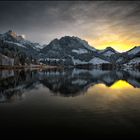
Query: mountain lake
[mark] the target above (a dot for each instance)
(71, 101)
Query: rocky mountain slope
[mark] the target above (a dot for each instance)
(15, 46)
(64, 51)
(71, 51)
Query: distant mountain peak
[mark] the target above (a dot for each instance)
(11, 36)
(12, 33)
(71, 42)
(68, 50)
(56, 40)
(134, 50)
(136, 47)
(110, 49)
(69, 38)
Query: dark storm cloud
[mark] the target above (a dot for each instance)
(43, 21)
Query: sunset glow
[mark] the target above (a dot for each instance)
(101, 23)
(116, 41)
(70, 68)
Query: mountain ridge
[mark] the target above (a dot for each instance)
(68, 50)
(22, 38)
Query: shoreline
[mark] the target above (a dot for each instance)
(16, 67)
(29, 67)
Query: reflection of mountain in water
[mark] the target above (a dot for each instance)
(69, 82)
(77, 81)
(14, 83)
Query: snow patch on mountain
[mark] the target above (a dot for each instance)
(17, 44)
(80, 51)
(66, 50)
(97, 60)
(15, 39)
(77, 62)
(108, 53)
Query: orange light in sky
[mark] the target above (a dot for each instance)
(118, 37)
(120, 45)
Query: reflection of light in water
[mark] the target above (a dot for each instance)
(117, 89)
(121, 84)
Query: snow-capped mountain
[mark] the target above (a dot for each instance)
(15, 46)
(11, 37)
(134, 51)
(130, 57)
(72, 51)
(108, 52)
(74, 44)
(64, 51)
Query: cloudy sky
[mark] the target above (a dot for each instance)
(101, 23)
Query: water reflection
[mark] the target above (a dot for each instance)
(66, 82)
(121, 84)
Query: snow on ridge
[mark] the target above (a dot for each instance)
(134, 51)
(108, 53)
(18, 44)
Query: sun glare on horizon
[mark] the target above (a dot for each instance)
(120, 45)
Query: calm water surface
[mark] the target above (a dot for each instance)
(71, 101)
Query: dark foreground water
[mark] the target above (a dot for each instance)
(72, 101)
